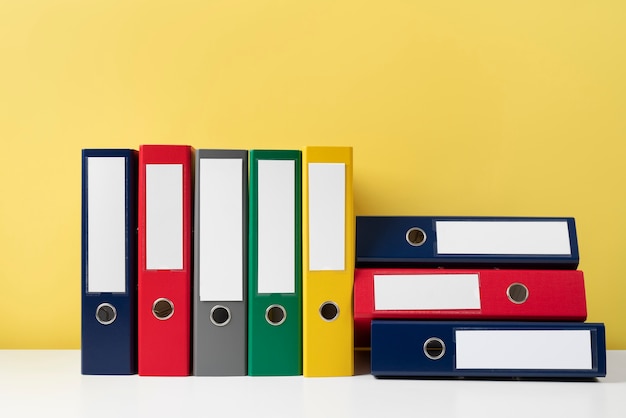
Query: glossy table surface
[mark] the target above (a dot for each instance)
(48, 383)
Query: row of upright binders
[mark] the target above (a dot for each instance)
(204, 262)
(235, 262)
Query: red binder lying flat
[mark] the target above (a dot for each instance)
(523, 295)
(164, 249)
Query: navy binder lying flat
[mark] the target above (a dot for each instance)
(109, 262)
(564, 350)
(425, 241)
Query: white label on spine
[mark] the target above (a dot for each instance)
(164, 216)
(106, 224)
(503, 237)
(523, 349)
(276, 226)
(327, 216)
(221, 229)
(426, 292)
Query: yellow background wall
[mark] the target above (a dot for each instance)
(500, 108)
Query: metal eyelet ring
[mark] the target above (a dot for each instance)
(329, 311)
(220, 315)
(163, 309)
(517, 293)
(434, 348)
(415, 236)
(275, 315)
(106, 313)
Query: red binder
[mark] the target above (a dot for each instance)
(461, 294)
(164, 271)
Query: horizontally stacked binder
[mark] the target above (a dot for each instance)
(266, 287)
(474, 297)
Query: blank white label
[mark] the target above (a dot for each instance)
(524, 349)
(164, 216)
(276, 226)
(221, 229)
(503, 237)
(426, 292)
(327, 216)
(106, 224)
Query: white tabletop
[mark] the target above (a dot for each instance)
(42, 383)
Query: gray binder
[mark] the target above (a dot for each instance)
(220, 263)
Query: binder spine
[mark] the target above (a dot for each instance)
(328, 266)
(108, 316)
(467, 242)
(164, 260)
(220, 263)
(275, 271)
(563, 350)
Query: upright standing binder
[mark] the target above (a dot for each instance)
(164, 235)
(328, 261)
(275, 266)
(220, 269)
(470, 294)
(488, 349)
(109, 261)
(472, 242)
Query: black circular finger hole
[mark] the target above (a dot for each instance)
(106, 313)
(416, 236)
(434, 348)
(163, 309)
(329, 311)
(220, 315)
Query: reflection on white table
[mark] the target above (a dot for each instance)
(48, 383)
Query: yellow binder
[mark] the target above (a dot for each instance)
(328, 240)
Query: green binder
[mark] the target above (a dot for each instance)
(275, 264)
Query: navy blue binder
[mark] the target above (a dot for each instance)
(109, 262)
(561, 350)
(458, 242)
